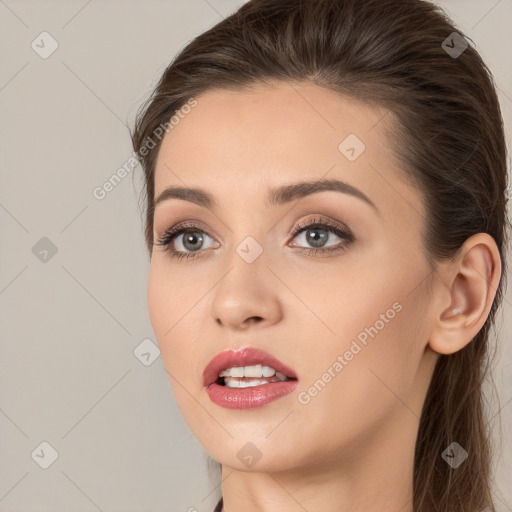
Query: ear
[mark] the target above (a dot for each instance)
(465, 293)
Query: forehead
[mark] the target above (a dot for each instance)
(274, 134)
(284, 116)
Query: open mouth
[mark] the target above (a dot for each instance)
(246, 368)
(247, 379)
(237, 377)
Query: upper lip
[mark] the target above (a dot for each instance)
(242, 357)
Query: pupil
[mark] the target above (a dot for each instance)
(316, 240)
(192, 238)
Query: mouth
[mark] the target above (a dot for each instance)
(244, 368)
(250, 376)
(247, 379)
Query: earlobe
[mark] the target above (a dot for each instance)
(469, 285)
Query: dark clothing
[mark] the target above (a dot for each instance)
(219, 505)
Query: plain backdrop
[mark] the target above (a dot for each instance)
(75, 392)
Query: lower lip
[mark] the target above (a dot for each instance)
(249, 398)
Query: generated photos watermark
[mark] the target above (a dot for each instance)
(305, 397)
(100, 192)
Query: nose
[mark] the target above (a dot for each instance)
(247, 296)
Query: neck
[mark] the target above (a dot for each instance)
(372, 475)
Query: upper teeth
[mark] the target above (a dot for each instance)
(256, 370)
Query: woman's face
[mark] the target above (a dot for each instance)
(351, 320)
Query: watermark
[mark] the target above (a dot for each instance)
(44, 45)
(44, 250)
(44, 455)
(304, 397)
(454, 455)
(249, 249)
(146, 352)
(454, 45)
(100, 192)
(249, 454)
(351, 147)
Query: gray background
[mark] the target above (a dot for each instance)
(70, 324)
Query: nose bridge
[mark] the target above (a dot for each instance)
(248, 271)
(245, 291)
(250, 250)
(248, 236)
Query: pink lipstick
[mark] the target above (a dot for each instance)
(247, 378)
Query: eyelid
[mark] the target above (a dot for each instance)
(184, 224)
(293, 230)
(319, 219)
(168, 237)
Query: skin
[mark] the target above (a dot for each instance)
(351, 447)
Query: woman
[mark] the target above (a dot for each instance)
(325, 188)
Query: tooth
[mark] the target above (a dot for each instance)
(233, 383)
(253, 371)
(268, 372)
(237, 371)
(256, 370)
(280, 376)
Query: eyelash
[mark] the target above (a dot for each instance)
(168, 237)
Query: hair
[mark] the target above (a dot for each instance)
(447, 133)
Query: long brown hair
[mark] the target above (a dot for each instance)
(447, 134)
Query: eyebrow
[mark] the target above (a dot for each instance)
(277, 196)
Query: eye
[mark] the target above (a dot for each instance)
(181, 239)
(188, 240)
(316, 233)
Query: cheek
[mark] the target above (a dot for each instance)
(159, 300)
(172, 318)
(165, 300)
(173, 297)
(176, 305)
(352, 389)
(371, 338)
